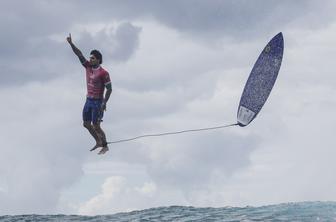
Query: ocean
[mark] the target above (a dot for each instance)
(303, 211)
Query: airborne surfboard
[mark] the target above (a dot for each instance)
(260, 81)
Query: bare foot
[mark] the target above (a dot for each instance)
(96, 146)
(103, 150)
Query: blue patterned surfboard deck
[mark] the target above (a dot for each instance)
(261, 81)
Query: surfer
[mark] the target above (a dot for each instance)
(97, 79)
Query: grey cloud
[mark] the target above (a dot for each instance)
(223, 18)
(118, 44)
(28, 24)
(28, 53)
(23, 22)
(127, 38)
(200, 156)
(40, 58)
(41, 154)
(191, 161)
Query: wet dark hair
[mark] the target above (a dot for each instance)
(98, 55)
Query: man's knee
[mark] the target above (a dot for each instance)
(87, 125)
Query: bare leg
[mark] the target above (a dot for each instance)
(93, 133)
(102, 137)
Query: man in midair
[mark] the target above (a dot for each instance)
(97, 79)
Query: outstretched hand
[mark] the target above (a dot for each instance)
(69, 38)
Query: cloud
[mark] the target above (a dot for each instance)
(240, 20)
(120, 194)
(29, 27)
(127, 41)
(41, 151)
(116, 43)
(29, 50)
(191, 163)
(26, 22)
(181, 171)
(111, 188)
(41, 58)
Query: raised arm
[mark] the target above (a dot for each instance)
(76, 50)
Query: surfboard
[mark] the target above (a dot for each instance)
(260, 81)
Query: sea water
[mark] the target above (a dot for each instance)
(304, 211)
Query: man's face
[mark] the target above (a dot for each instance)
(93, 60)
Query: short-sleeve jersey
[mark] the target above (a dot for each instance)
(96, 80)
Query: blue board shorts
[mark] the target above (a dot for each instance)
(92, 110)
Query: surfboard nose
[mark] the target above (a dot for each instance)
(278, 39)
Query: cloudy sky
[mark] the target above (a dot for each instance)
(176, 64)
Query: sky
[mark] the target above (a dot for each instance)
(174, 65)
